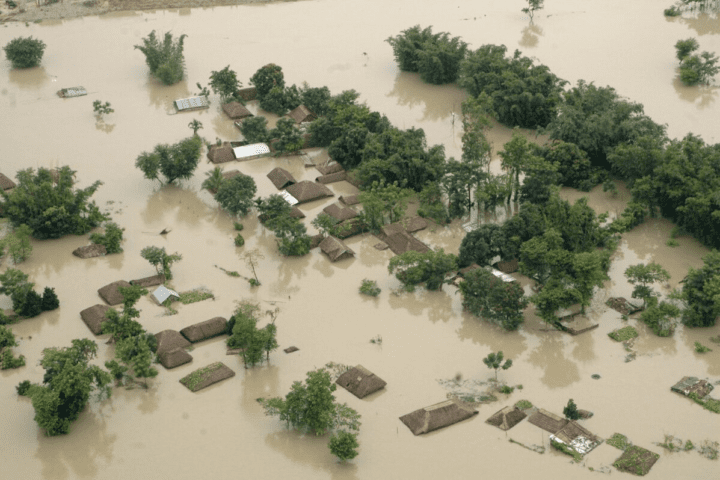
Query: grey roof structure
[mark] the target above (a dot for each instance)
(162, 293)
(191, 103)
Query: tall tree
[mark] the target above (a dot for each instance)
(174, 162)
(165, 59)
(414, 268)
(225, 83)
(643, 277)
(494, 361)
(24, 52)
(701, 292)
(486, 296)
(160, 259)
(236, 194)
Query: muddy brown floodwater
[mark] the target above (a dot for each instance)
(221, 432)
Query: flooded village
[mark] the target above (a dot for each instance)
(418, 355)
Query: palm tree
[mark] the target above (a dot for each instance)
(214, 180)
(195, 126)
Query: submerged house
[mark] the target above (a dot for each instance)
(281, 178)
(565, 431)
(360, 381)
(236, 110)
(252, 151)
(302, 114)
(307, 191)
(335, 249)
(506, 418)
(191, 103)
(401, 242)
(6, 183)
(111, 292)
(94, 317)
(340, 213)
(688, 385)
(221, 153)
(437, 416)
(171, 347)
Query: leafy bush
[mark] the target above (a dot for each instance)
(238, 226)
(506, 389)
(618, 440)
(414, 268)
(50, 299)
(524, 404)
(700, 348)
(344, 445)
(661, 318)
(165, 60)
(174, 162)
(23, 388)
(112, 238)
(571, 411)
(623, 334)
(239, 240)
(254, 129)
(101, 109)
(226, 84)
(266, 78)
(236, 194)
(24, 52)
(369, 287)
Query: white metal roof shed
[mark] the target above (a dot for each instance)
(192, 103)
(250, 151)
(163, 293)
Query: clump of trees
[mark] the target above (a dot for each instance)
(24, 52)
(287, 136)
(436, 56)
(173, 162)
(254, 129)
(700, 292)
(383, 204)
(7, 341)
(236, 194)
(112, 238)
(65, 391)
(160, 259)
(487, 296)
(18, 244)
(51, 208)
(291, 235)
(311, 407)
(429, 268)
(25, 300)
(643, 277)
(164, 58)
(695, 69)
(252, 341)
(226, 84)
(273, 96)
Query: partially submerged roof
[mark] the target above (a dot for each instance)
(149, 281)
(6, 183)
(162, 293)
(547, 421)
(410, 225)
(296, 213)
(168, 340)
(506, 418)
(502, 276)
(71, 92)
(302, 114)
(331, 177)
(688, 385)
(335, 248)
(577, 437)
(111, 292)
(90, 251)
(306, 191)
(340, 213)
(351, 227)
(247, 94)
(280, 177)
(254, 150)
(360, 381)
(288, 198)
(350, 199)
(174, 358)
(437, 416)
(205, 330)
(401, 242)
(191, 103)
(206, 376)
(94, 316)
(221, 153)
(236, 110)
(329, 168)
(636, 460)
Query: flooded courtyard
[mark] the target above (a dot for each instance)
(166, 431)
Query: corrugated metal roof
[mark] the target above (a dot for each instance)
(502, 276)
(251, 150)
(288, 198)
(163, 293)
(73, 92)
(191, 103)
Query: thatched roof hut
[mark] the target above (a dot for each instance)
(149, 281)
(331, 178)
(335, 249)
(168, 340)
(437, 416)
(688, 385)
(330, 168)
(204, 330)
(6, 183)
(506, 418)
(409, 225)
(281, 178)
(174, 358)
(316, 239)
(351, 227)
(350, 199)
(360, 381)
(401, 242)
(90, 251)
(302, 114)
(206, 376)
(636, 460)
(94, 316)
(231, 174)
(221, 154)
(547, 421)
(296, 213)
(572, 431)
(111, 292)
(236, 110)
(307, 191)
(340, 213)
(247, 94)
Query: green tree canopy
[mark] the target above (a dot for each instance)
(414, 268)
(225, 83)
(160, 259)
(485, 295)
(266, 78)
(344, 445)
(481, 245)
(287, 135)
(494, 361)
(254, 129)
(164, 59)
(24, 52)
(701, 292)
(236, 194)
(643, 277)
(174, 162)
(112, 238)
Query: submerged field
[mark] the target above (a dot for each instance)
(427, 338)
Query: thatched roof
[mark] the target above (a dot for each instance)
(206, 376)
(94, 316)
(335, 248)
(547, 421)
(331, 178)
(6, 183)
(316, 239)
(401, 242)
(306, 191)
(90, 251)
(636, 460)
(688, 385)
(437, 416)
(360, 381)
(333, 167)
(221, 154)
(296, 213)
(302, 114)
(204, 330)
(281, 178)
(247, 94)
(111, 292)
(174, 358)
(236, 110)
(351, 227)
(573, 430)
(340, 213)
(230, 174)
(168, 340)
(149, 281)
(506, 418)
(511, 266)
(410, 225)
(350, 199)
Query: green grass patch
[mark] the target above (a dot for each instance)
(623, 334)
(700, 348)
(618, 440)
(197, 295)
(524, 404)
(636, 460)
(506, 389)
(715, 339)
(672, 243)
(707, 403)
(561, 447)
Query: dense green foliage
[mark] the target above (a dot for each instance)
(436, 57)
(69, 379)
(112, 238)
(18, 244)
(291, 235)
(369, 287)
(344, 445)
(415, 268)
(214, 178)
(494, 361)
(165, 59)
(315, 98)
(254, 129)
(522, 93)
(7, 341)
(122, 325)
(696, 69)
(133, 359)
(101, 109)
(481, 245)
(266, 78)
(226, 84)
(683, 48)
(487, 296)
(287, 136)
(571, 411)
(251, 340)
(383, 204)
(236, 194)
(174, 162)
(532, 6)
(701, 292)
(661, 318)
(25, 300)
(572, 164)
(160, 259)
(50, 208)
(24, 52)
(643, 277)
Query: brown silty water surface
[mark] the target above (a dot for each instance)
(167, 431)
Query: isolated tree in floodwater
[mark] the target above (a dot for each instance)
(532, 6)
(225, 83)
(643, 277)
(344, 445)
(164, 59)
(571, 411)
(266, 78)
(160, 259)
(494, 361)
(236, 194)
(174, 162)
(24, 52)
(195, 125)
